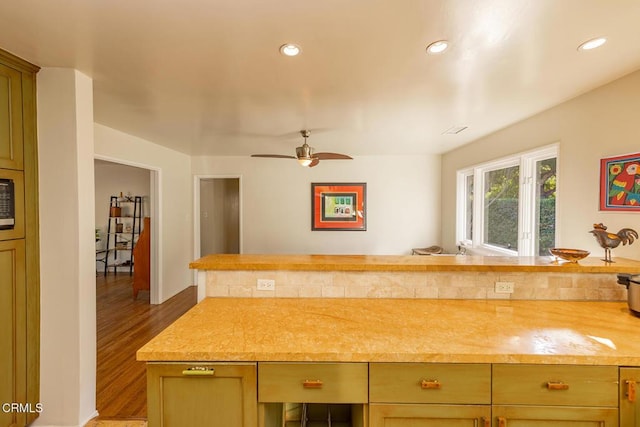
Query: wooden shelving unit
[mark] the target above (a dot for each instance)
(123, 230)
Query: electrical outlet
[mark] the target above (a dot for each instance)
(266, 285)
(504, 287)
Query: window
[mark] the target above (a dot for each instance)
(516, 212)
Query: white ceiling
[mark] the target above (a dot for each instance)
(206, 77)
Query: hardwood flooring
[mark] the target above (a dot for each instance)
(123, 326)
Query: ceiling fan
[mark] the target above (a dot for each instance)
(305, 155)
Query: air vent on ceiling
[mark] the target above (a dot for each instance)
(454, 130)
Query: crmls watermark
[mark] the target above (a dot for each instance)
(22, 408)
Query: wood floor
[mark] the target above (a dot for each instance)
(123, 326)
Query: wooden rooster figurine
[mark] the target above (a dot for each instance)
(610, 241)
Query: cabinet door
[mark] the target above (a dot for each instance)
(13, 332)
(207, 394)
(422, 415)
(554, 416)
(629, 406)
(11, 137)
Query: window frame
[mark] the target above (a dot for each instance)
(527, 234)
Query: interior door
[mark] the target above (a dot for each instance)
(219, 216)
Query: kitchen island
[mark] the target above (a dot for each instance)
(485, 359)
(378, 341)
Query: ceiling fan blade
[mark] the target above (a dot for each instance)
(274, 156)
(314, 162)
(332, 156)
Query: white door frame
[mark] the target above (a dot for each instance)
(155, 188)
(199, 278)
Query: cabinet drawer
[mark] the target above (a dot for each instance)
(313, 382)
(430, 383)
(558, 385)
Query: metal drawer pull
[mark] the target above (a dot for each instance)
(430, 384)
(312, 383)
(502, 422)
(631, 390)
(557, 385)
(198, 371)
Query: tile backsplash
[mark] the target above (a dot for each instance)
(433, 285)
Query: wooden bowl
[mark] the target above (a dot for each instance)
(571, 255)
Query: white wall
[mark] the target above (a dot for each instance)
(403, 196)
(176, 206)
(601, 123)
(68, 311)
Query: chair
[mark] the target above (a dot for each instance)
(142, 262)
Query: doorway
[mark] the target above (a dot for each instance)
(115, 176)
(218, 211)
(124, 323)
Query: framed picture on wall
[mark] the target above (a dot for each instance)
(338, 206)
(620, 183)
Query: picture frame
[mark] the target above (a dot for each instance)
(338, 206)
(620, 183)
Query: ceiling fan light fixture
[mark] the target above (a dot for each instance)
(593, 43)
(305, 155)
(290, 49)
(437, 47)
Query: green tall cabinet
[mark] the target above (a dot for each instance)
(19, 252)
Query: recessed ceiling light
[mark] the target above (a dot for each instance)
(290, 49)
(592, 44)
(437, 47)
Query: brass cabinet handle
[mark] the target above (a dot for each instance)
(430, 385)
(198, 371)
(312, 383)
(502, 422)
(631, 390)
(557, 385)
(486, 422)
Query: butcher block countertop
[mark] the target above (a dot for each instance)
(400, 330)
(399, 263)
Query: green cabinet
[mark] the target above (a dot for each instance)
(554, 416)
(316, 392)
(554, 395)
(11, 134)
(12, 330)
(204, 394)
(499, 395)
(19, 245)
(429, 394)
(629, 404)
(421, 415)
(399, 394)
